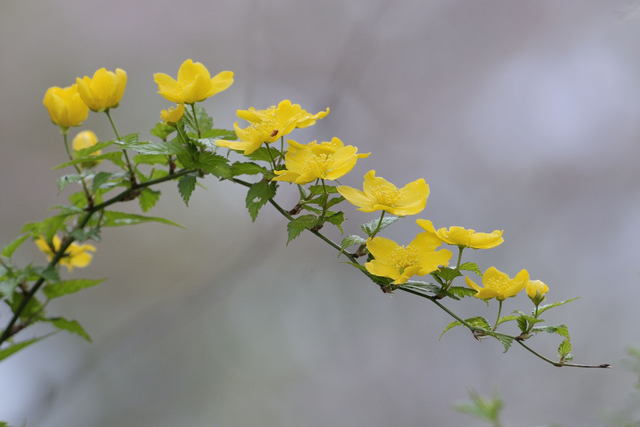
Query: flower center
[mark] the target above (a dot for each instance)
(322, 162)
(403, 258)
(496, 284)
(386, 196)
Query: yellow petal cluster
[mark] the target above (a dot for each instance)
(172, 115)
(86, 139)
(75, 256)
(466, 237)
(65, 106)
(536, 289)
(269, 125)
(104, 90)
(194, 83)
(400, 263)
(498, 284)
(327, 160)
(380, 195)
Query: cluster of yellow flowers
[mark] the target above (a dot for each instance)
(303, 164)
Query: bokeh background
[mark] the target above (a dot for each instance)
(520, 115)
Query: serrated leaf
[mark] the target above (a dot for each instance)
(214, 164)
(371, 226)
(117, 219)
(9, 250)
(151, 159)
(99, 179)
(447, 274)
(159, 147)
(148, 199)
(476, 322)
(509, 318)
(247, 168)
(504, 340)
(419, 286)
(257, 196)
(471, 266)
(56, 290)
(162, 130)
(318, 189)
(564, 349)
(461, 291)
(336, 219)
(14, 348)
(351, 240)
(262, 154)
(298, 225)
(85, 152)
(227, 134)
(561, 330)
(334, 201)
(65, 180)
(47, 227)
(70, 326)
(449, 327)
(204, 121)
(186, 185)
(546, 307)
(522, 323)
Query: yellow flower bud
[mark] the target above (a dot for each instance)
(65, 106)
(172, 115)
(194, 83)
(86, 139)
(76, 255)
(104, 90)
(536, 290)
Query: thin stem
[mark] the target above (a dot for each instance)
(495, 325)
(195, 119)
(87, 194)
(132, 175)
(10, 329)
(460, 250)
(379, 226)
(273, 162)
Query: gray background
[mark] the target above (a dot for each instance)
(521, 115)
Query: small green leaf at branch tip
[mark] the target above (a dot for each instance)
(299, 224)
(257, 196)
(14, 348)
(71, 326)
(58, 289)
(564, 350)
(148, 199)
(471, 266)
(10, 249)
(546, 307)
(118, 219)
(186, 185)
(371, 226)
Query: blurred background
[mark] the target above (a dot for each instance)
(520, 115)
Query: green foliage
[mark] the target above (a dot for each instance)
(298, 225)
(319, 189)
(335, 218)
(162, 130)
(471, 266)
(262, 154)
(65, 180)
(186, 185)
(10, 249)
(419, 286)
(151, 159)
(100, 179)
(460, 292)
(371, 226)
(505, 340)
(118, 219)
(447, 274)
(475, 322)
(148, 199)
(247, 168)
(349, 241)
(257, 196)
(114, 157)
(546, 307)
(486, 409)
(46, 228)
(71, 326)
(213, 164)
(58, 289)
(14, 348)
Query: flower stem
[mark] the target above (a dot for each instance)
(379, 226)
(195, 119)
(87, 194)
(132, 175)
(495, 325)
(273, 162)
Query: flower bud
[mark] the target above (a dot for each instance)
(83, 140)
(172, 115)
(104, 90)
(536, 290)
(65, 106)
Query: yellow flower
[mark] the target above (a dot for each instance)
(86, 139)
(327, 160)
(381, 195)
(269, 125)
(400, 263)
(65, 106)
(104, 90)
(172, 115)
(194, 83)
(498, 284)
(460, 236)
(536, 290)
(75, 256)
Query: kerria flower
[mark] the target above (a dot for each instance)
(83, 140)
(466, 237)
(75, 255)
(400, 263)
(269, 125)
(65, 106)
(380, 195)
(328, 160)
(498, 284)
(172, 115)
(536, 290)
(104, 90)
(194, 83)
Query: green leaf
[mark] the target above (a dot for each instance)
(546, 307)
(160, 147)
(214, 164)
(482, 408)
(262, 154)
(113, 156)
(509, 318)
(504, 340)
(8, 285)
(56, 290)
(4, 424)
(162, 130)
(476, 322)
(461, 291)
(318, 189)
(117, 219)
(148, 199)
(99, 179)
(151, 159)
(336, 218)
(257, 196)
(70, 326)
(334, 201)
(352, 240)
(447, 274)
(370, 226)
(561, 330)
(522, 323)
(14, 348)
(419, 286)
(46, 228)
(449, 327)
(85, 152)
(205, 122)
(65, 180)
(186, 185)
(298, 225)
(9, 250)
(564, 350)
(471, 266)
(247, 168)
